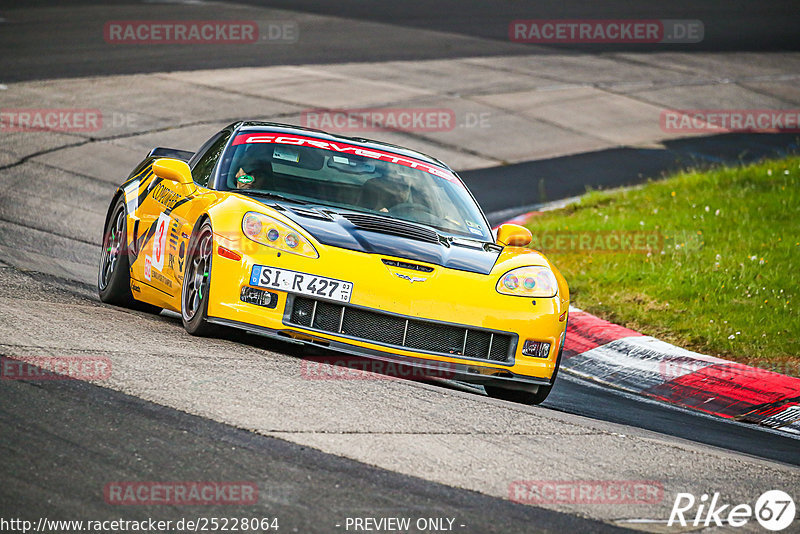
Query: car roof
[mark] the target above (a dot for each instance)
(360, 141)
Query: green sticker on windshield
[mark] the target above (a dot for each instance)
(245, 179)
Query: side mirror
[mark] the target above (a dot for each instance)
(513, 235)
(173, 170)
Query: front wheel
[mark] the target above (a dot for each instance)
(527, 397)
(517, 395)
(197, 281)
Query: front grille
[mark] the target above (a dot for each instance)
(327, 316)
(387, 329)
(386, 225)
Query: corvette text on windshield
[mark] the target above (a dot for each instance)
(346, 149)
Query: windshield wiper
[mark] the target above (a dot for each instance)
(267, 194)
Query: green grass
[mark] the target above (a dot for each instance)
(725, 274)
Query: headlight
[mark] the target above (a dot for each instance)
(528, 282)
(273, 233)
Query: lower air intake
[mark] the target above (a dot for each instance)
(387, 329)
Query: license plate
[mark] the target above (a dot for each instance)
(303, 283)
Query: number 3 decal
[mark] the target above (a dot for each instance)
(160, 241)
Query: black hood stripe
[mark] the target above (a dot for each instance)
(341, 233)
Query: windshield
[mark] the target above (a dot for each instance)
(347, 176)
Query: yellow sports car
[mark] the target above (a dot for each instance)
(359, 246)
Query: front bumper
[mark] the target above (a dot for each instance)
(447, 300)
(474, 374)
(398, 332)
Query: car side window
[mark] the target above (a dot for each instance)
(203, 162)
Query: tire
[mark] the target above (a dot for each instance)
(113, 276)
(197, 281)
(526, 397)
(517, 395)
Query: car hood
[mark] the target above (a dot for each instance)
(375, 234)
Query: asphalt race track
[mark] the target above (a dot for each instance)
(61, 432)
(239, 408)
(352, 31)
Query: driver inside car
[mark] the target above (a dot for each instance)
(396, 191)
(382, 194)
(254, 169)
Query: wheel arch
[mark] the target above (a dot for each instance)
(117, 194)
(200, 220)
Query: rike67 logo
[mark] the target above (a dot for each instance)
(774, 510)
